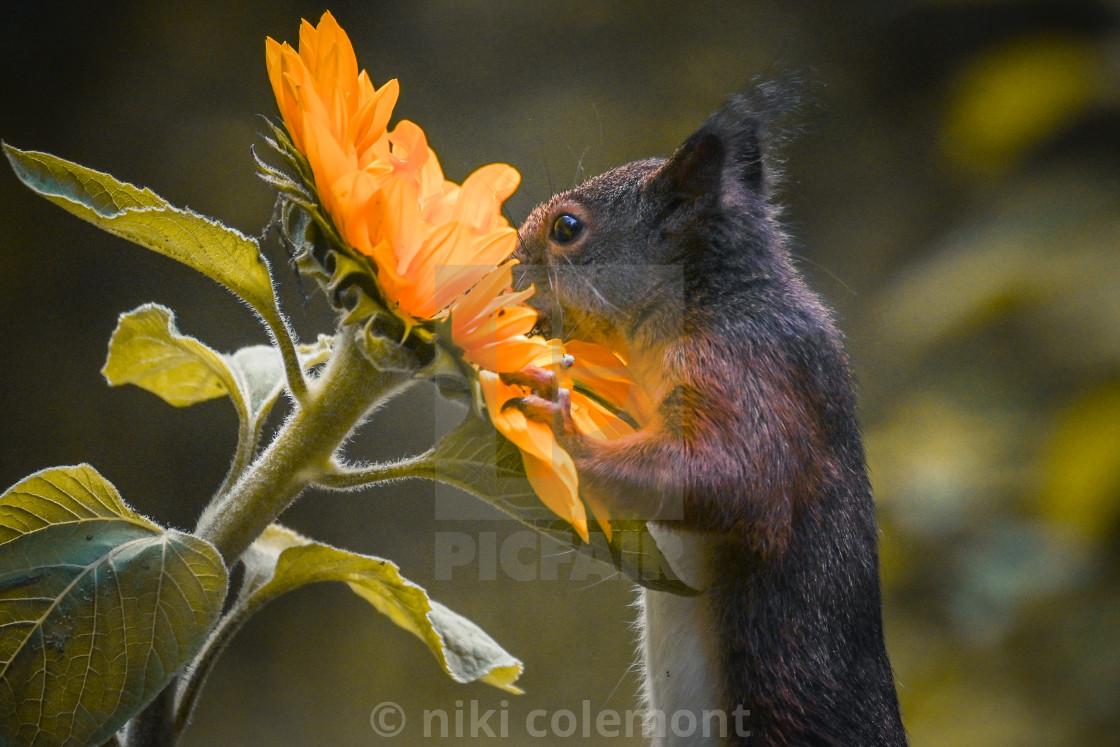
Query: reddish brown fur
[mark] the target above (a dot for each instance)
(772, 453)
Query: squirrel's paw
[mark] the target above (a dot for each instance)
(539, 381)
(547, 403)
(556, 413)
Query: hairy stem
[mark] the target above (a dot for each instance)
(324, 416)
(282, 336)
(336, 478)
(334, 405)
(155, 725)
(355, 478)
(190, 683)
(248, 434)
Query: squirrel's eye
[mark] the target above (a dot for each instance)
(566, 229)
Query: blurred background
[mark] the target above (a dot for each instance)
(954, 191)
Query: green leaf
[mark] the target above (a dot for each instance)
(478, 459)
(281, 560)
(140, 215)
(99, 608)
(147, 350)
(259, 370)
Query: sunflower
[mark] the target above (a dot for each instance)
(440, 250)
(429, 238)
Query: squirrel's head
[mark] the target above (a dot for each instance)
(620, 257)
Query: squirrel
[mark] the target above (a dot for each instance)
(753, 459)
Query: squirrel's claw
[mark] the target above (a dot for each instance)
(547, 403)
(539, 381)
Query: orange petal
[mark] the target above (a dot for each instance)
(309, 45)
(273, 60)
(511, 354)
(555, 484)
(602, 514)
(503, 324)
(432, 188)
(359, 213)
(288, 75)
(473, 306)
(374, 110)
(403, 228)
(550, 470)
(596, 421)
(494, 247)
(472, 316)
(337, 67)
(439, 206)
(409, 150)
(425, 295)
(480, 201)
(439, 264)
(535, 438)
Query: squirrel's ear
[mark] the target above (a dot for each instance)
(739, 127)
(694, 171)
(724, 155)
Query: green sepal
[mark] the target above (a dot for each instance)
(300, 186)
(348, 282)
(298, 204)
(100, 607)
(281, 561)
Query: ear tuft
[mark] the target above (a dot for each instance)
(739, 127)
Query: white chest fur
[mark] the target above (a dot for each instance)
(680, 647)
